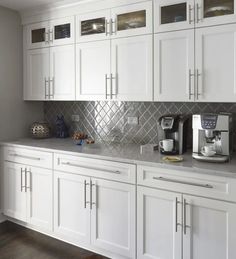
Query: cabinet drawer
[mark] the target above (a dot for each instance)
(121, 172)
(28, 157)
(217, 187)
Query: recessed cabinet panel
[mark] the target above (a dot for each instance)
(174, 66)
(93, 70)
(132, 19)
(214, 12)
(132, 69)
(93, 26)
(216, 64)
(170, 15)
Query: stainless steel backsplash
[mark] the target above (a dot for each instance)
(108, 121)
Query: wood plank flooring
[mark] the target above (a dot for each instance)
(17, 242)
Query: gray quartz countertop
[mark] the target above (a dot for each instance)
(127, 154)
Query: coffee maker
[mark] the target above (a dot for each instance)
(174, 127)
(212, 132)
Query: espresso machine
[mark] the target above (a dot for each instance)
(174, 127)
(212, 137)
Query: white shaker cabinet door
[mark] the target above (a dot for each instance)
(62, 70)
(71, 208)
(113, 217)
(132, 69)
(36, 74)
(174, 66)
(216, 64)
(39, 197)
(210, 229)
(159, 219)
(93, 70)
(15, 205)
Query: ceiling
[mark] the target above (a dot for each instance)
(20, 5)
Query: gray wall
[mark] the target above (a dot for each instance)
(15, 114)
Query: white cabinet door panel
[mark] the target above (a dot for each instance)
(174, 66)
(113, 217)
(71, 214)
(216, 63)
(39, 197)
(37, 74)
(62, 70)
(15, 205)
(212, 231)
(158, 235)
(132, 69)
(93, 64)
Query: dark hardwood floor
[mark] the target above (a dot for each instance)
(17, 242)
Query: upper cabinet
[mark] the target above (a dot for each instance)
(53, 33)
(129, 20)
(170, 15)
(214, 12)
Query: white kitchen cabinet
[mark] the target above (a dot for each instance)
(209, 12)
(211, 229)
(113, 217)
(159, 219)
(174, 66)
(52, 33)
(130, 20)
(14, 192)
(36, 81)
(216, 64)
(62, 73)
(171, 15)
(93, 70)
(28, 194)
(132, 69)
(71, 210)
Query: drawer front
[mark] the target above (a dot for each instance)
(28, 157)
(217, 187)
(115, 171)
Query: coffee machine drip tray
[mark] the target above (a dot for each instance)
(174, 152)
(212, 159)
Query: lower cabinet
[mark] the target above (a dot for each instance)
(95, 212)
(168, 222)
(28, 194)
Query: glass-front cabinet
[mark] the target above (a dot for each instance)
(53, 33)
(214, 12)
(170, 15)
(135, 19)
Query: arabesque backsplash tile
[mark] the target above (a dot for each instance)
(108, 121)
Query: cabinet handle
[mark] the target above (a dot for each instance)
(51, 88)
(27, 157)
(198, 75)
(46, 37)
(107, 25)
(176, 214)
(85, 194)
(185, 217)
(25, 179)
(183, 182)
(85, 167)
(190, 84)
(190, 9)
(46, 84)
(198, 10)
(51, 36)
(21, 180)
(112, 78)
(28, 172)
(91, 195)
(113, 25)
(106, 85)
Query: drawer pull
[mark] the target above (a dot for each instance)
(183, 182)
(27, 157)
(103, 170)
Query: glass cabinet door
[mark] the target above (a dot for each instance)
(93, 26)
(214, 12)
(62, 31)
(173, 15)
(37, 35)
(131, 20)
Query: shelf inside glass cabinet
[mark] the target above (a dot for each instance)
(93, 26)
(214, 8)
(174, 13)
(132, 20)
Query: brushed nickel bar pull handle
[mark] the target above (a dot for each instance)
(190, 84)
(46, 37)
(85, 194)
(198, 9)
(25, 171)
(86, 167)
(46, 84)
(107, 25)
(27, 157)
(190, 8)
(106, 78)
(51, 36)
(176, 215)
(29, 187)
(198, 75)
(183, 182)
(21, 179)
(91, 195)
(51, 87)
(185, 218)
(113, 24)
(111, 86)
